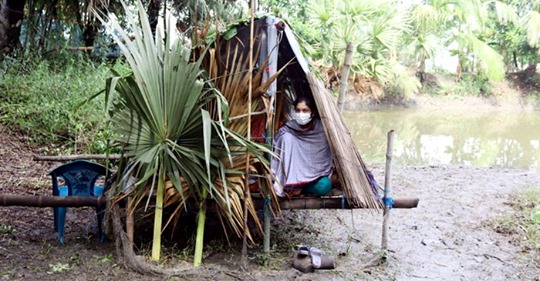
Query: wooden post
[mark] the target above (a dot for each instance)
(267, 203)
(387, 199)
(267, 216)
(345, 75)
(130, 221)
(250, 92)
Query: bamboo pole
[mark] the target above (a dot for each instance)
(387, 199)
(76, 157)
(345, 75)
(267, 212)
(270, 106)
(52, 201)
(305, 203)
(266, 224)
(246, 115)
(329, 203)
(250, 92)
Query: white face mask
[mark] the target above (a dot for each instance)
(302, 118)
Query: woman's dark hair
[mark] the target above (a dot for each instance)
(308, 101)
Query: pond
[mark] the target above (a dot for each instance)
(432, 137)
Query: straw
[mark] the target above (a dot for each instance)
(349, 165)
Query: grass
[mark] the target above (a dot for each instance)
(273, 260)
(7, 229)
(523, 224)
(44, 100)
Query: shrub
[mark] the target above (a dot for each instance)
(41, 98)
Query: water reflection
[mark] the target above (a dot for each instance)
(499, 139)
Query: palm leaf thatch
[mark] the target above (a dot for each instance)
(226, 62)
(227, 66)
(173, 127)
(351, 169)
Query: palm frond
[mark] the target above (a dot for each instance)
(492, 62)
(532, 23)
(173, 123)
(425, 15)
(505, 13)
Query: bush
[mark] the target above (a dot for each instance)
(447, 84)
(476, 85)
(41, 98)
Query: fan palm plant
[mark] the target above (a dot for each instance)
(172, 124)
(375, 28)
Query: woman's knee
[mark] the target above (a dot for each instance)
(325, 185)
(321, 187)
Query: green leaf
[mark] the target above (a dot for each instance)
(230, 33)
(535, 217)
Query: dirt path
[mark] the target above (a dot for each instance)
(450, 236)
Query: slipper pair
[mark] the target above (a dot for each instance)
(314, 253)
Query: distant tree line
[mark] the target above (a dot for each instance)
(39, 26)
(394, 40)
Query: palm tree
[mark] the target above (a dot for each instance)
(515, 27)
(375, 28)
(173, 125)
(454, 24)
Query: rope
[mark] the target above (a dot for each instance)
(388, 202)
(267, 201)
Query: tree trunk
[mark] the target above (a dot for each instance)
(531, 68)
(89, 35)
(31, 20)
(51, 14)
(347, 62)
(158, 217)
(90, 28)
(421, 70)
(11, 16)
(153, 14)
(4, 27)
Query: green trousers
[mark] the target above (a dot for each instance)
(318, 187)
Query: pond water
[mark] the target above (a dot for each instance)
(488, 139)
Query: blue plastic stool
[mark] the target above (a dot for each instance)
(79, 178)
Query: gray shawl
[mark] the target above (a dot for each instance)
(304, 154)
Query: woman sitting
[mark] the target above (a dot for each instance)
(305, 159)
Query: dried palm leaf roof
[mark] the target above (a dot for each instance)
(280, 53)
(350, 167)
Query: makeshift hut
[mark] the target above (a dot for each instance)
(281, 74)
(258, 69)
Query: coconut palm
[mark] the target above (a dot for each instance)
(173, 126)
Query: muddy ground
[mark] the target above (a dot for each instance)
(452, 235)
